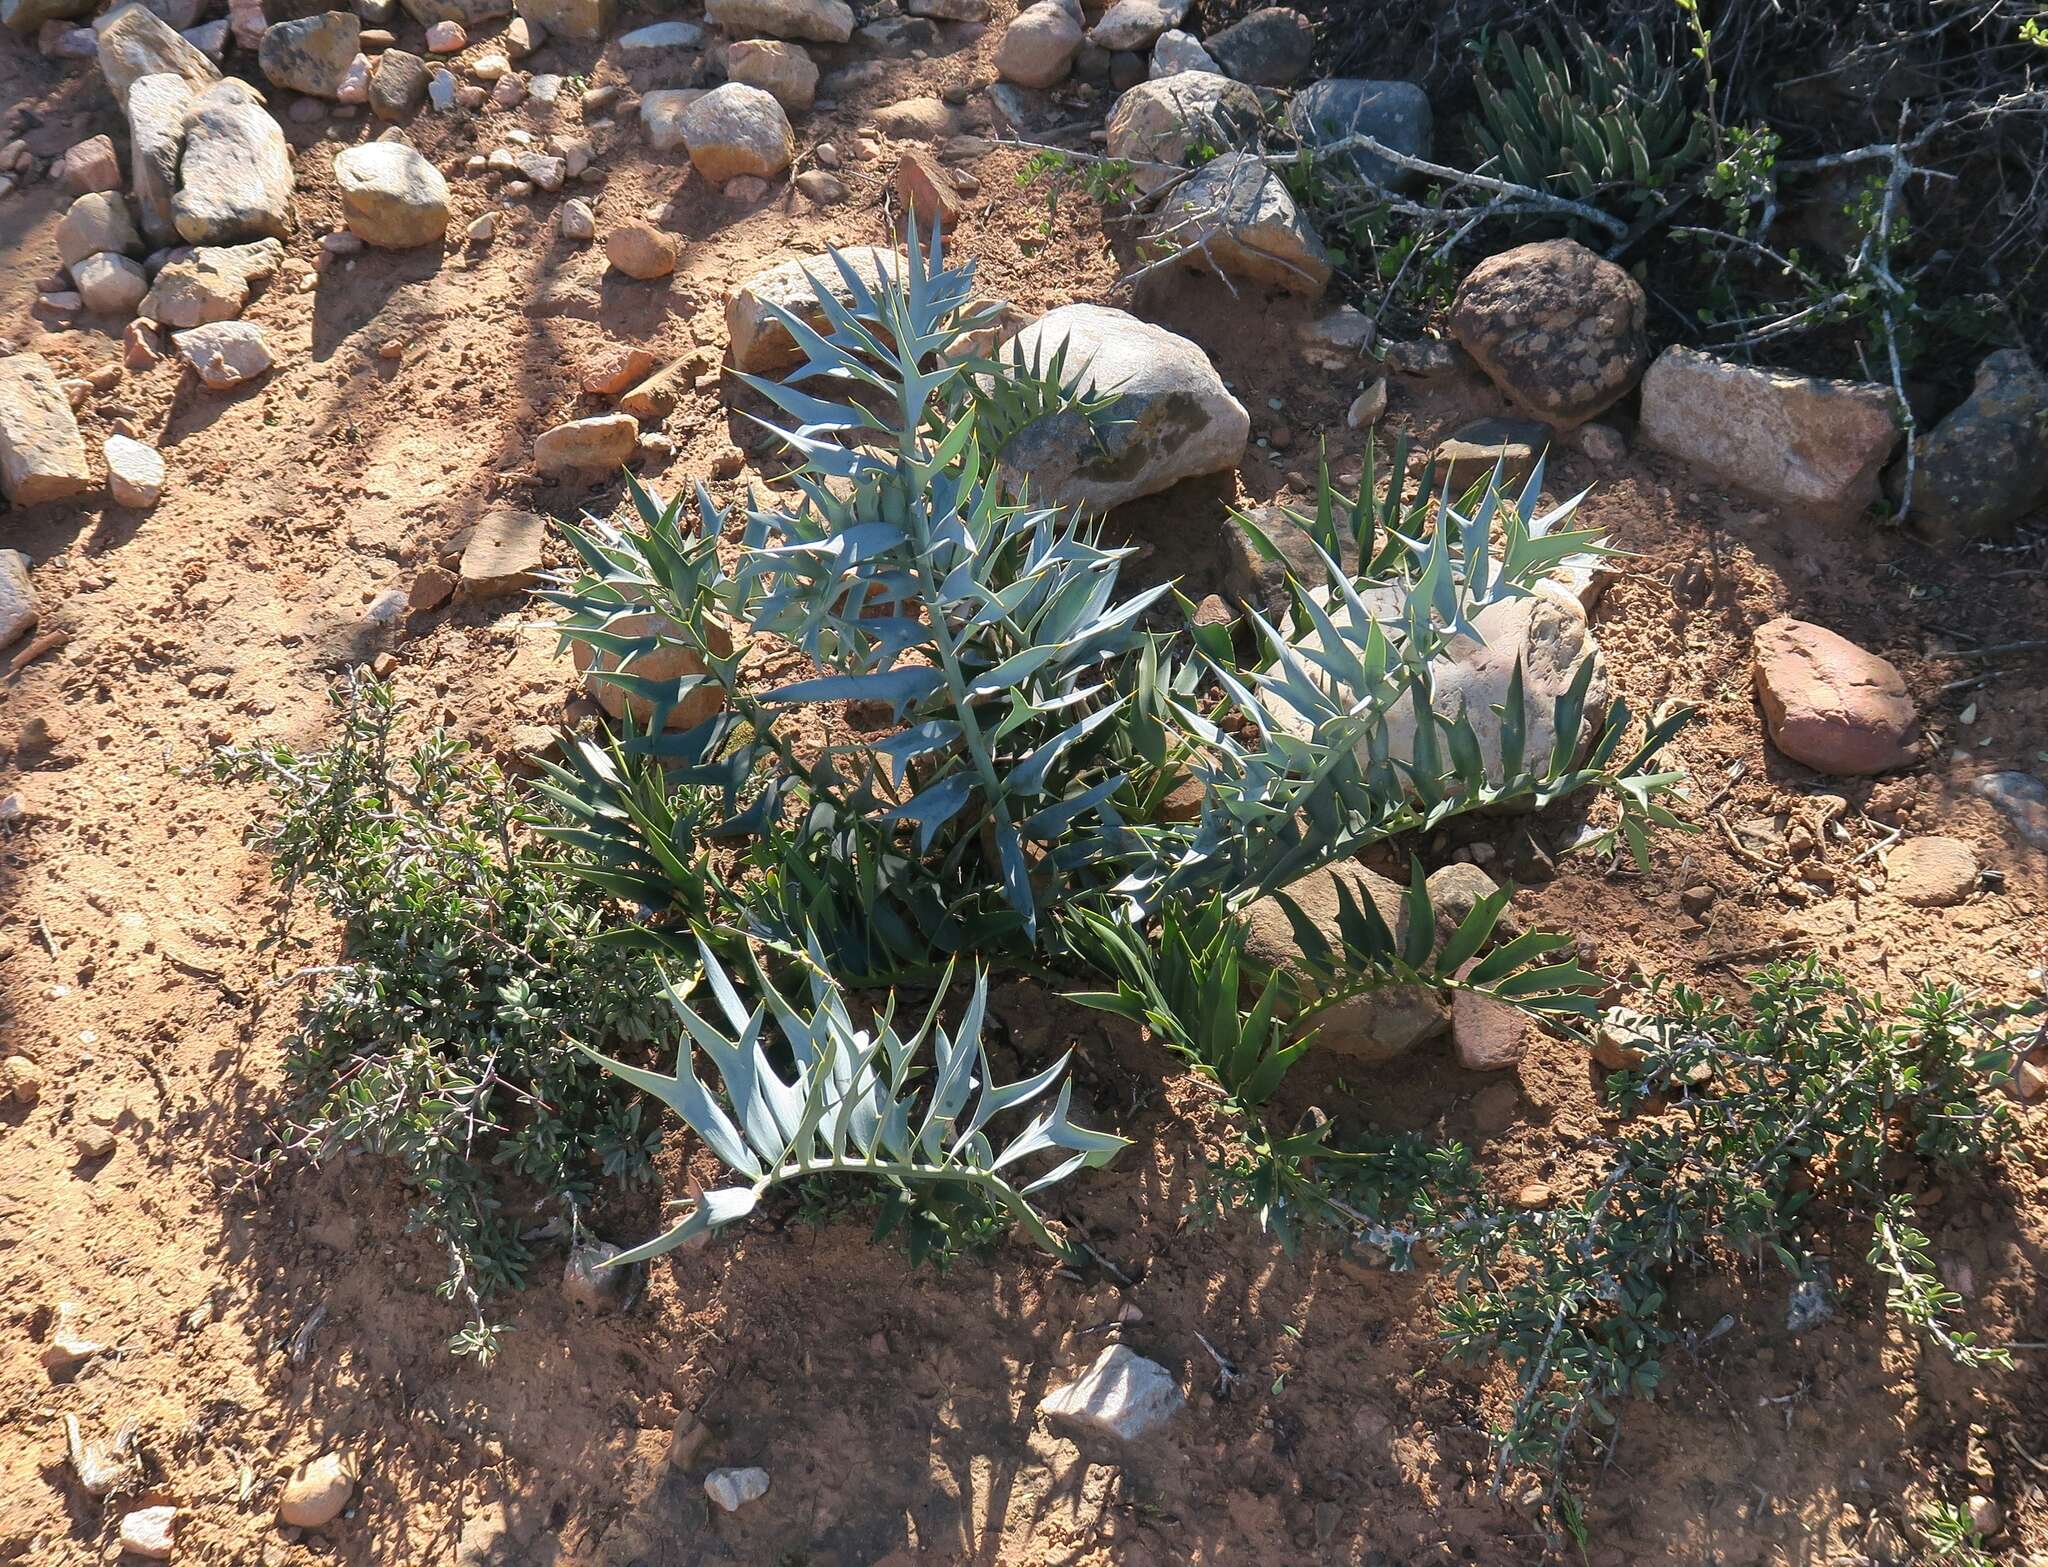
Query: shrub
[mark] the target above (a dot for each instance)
(1746, 1130)
(1040, 716)
(444, 1038)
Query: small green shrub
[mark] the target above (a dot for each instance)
(1749, 1133)
(1606, 127)
(445, 1037)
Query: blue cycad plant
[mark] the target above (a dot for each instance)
(1035, 733)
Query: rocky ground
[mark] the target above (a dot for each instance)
(312, 322)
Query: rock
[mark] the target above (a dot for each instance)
(916, 119)
(779, 69)
(640, 250)
(813, 21)
(146, 1532)
(1395, 114)
(355, 81)
(926, 191)
(732, 1489)
(1368, 407)
(1376, 1026)
(42, 456)
(447, 37)
(313, 54)
(820, 188)
(661, 115)
(136, 43)
(398, 85)
(210, 38)
(489, 67)
(584, 446)
(1489, 1035)
(28, 16)
(20, 1078)
(1162, 122)
(759, 343)
(588, 1278)
(316, 1494)
(18, 609)
(584, 20)
(523, 35)
(90, 165)
(1986, 464)
(235, 176)
(505, 554)
(576, 221)
(391, 196)
(1273, 47)
(157, 106)
(614, 368)
(1555, 327)
(135, 473)
(737, 129)
(94, 224)
(949, 10)
(1797, 440)
(662, 35)
(1932, 872)
(1136, 24)
(1037, 47)
(1177, 51)
(110, 285)
(1242, 216)
(667, 661)
(1470, 454)
(141, 345)
(1622, 1038)
(2022, 796)
(211, 284)
(66, 1345)
(1828, 703)
(1123, 1395)
(224, 353)
(1175, 418)
(1256, 581)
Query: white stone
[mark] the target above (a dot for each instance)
(224, 353)
(146, 1532)
(1039, 45)
(391, 196)
(1174, 419)
(661, 115)
(1237, 216)
(1177, 51)
(662, 35)
(18, 609)
(1157, 125)
(110, 285)
(1137, 24)
(737, 130)
(1123, 1395)
(814, 21)
(732, 1489)
(135, 473)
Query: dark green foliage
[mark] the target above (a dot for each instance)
(1751, 1133)
(1609, 127)
(445, 1038)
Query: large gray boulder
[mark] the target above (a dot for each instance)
(1397, 115)
(1174, 418)
(1801, 441)
(1237, 216)
(391, 196)
(1272, 47)
(1157, 125)
(235, 177)
(313, 54)
(157, 106)
(136, 42)
(1985, 465)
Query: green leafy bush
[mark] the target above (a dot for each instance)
(1750, 1133)
(1611, 128)
(445, 1037)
